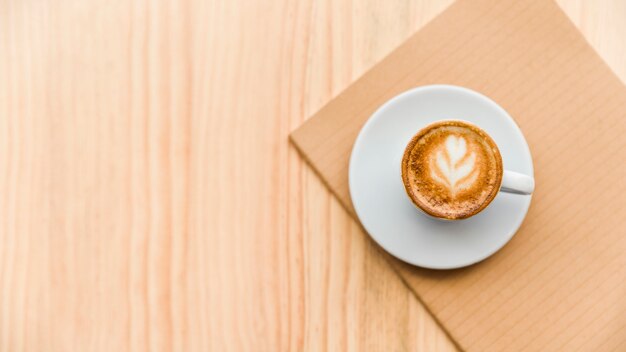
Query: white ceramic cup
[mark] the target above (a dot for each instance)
(511, 181)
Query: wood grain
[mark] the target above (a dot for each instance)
(149, 200)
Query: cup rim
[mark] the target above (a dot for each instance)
(405, 160)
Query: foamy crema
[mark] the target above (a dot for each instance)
(452, 169)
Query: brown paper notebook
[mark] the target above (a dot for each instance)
(560, 284)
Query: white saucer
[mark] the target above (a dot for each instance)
(378, 193)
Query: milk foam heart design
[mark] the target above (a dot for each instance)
(453, 166)
(451, 170)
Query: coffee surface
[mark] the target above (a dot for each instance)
(452, 169)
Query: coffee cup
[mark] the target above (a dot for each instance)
(452, 170)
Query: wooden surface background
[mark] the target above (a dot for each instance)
(149, 198)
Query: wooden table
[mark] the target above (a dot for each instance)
(150, 199)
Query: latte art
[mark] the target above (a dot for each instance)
(453, 166)
(451, 169)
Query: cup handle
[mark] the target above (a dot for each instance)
(514, 182)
